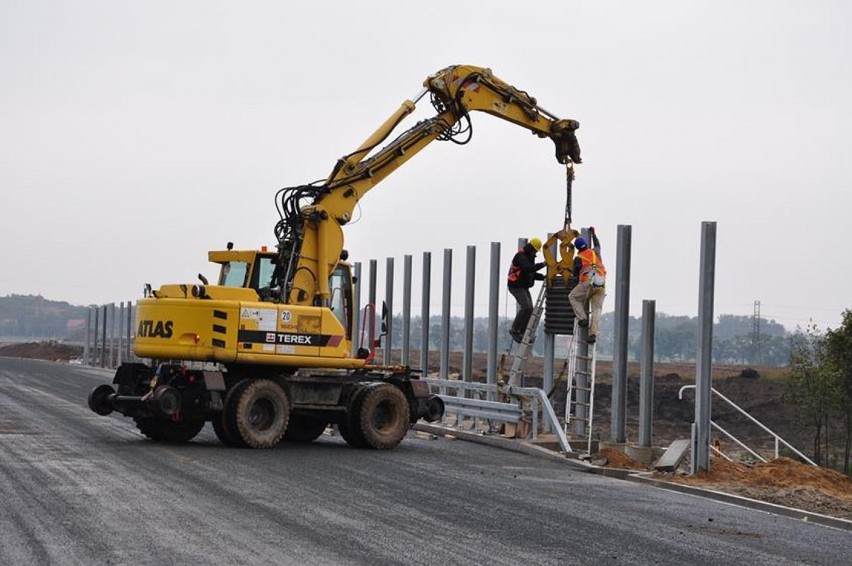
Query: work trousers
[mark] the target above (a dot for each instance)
(525, 308)
(595, 295)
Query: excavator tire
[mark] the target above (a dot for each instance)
(349, 425)
(384, 416)
(260, 412)
(304, 428)
(169, 431)
(224, 423)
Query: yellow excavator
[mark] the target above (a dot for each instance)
(277, 327)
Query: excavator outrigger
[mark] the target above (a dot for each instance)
(279, 325)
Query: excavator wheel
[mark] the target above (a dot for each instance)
(304, 428)
(169, 431)
(349, 424)
(224, 423)
(383, 416)
(260, 410)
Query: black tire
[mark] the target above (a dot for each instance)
(384, 416)
(304, 428)
(260, 412)
(348, 426)
(150, 427)
(224, 423)
(163, 430)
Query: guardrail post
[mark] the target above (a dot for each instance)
(424, 313)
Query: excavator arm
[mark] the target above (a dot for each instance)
(310, 238)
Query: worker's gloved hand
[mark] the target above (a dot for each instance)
(591, 229)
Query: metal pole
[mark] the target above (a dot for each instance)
(120, 349)
(493, 312)
(95, 353)
(424, 313)
(389, 300)
(704, 361)
(646, 375)
(112, 335)
(104, 338)
(406, 310)
(445, 314)
(470, 290)
(371, 323)
(129, 328)
(87, 336)
(356, 310)
(618, 432)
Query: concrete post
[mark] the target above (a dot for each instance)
(371, 321)
(646, 377)
(406, 310)
(704, 361)
(493, 312)
(618, 432)
(445, 314)
(388, 350)
(470, 290)
(424, 313)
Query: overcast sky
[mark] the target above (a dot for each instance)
(135, 136)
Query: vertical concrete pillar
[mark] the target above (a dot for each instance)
(388, 351)
(469, 293)
(646, 377)
(406, 310)
(424, 313)
(704, 361)
(618, 429)
(445, 314)
(493, 312)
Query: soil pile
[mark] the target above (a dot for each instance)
(51, 351)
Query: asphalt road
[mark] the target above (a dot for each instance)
(76, 488)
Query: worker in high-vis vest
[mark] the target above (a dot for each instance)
(523, 273)
(590, 273)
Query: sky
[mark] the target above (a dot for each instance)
(136, 136)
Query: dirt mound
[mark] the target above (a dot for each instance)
(52, 351)
(782, 481)
(614, 458)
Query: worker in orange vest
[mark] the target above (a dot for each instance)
(590, 273)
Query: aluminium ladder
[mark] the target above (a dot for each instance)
(580, 398)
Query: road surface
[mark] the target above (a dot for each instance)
(76, 488)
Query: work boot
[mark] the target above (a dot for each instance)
(584, 323)
(516, 336)
(592, 339)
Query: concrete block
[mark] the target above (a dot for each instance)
(673, 455)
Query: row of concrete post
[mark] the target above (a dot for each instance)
(108, 335)
(701, 432)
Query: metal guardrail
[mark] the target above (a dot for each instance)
(778, 439)
(480, 401)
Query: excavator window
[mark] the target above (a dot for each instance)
(233, 274)
(340, 286)
(261, 277)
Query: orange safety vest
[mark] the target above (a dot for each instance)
(589, 259)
